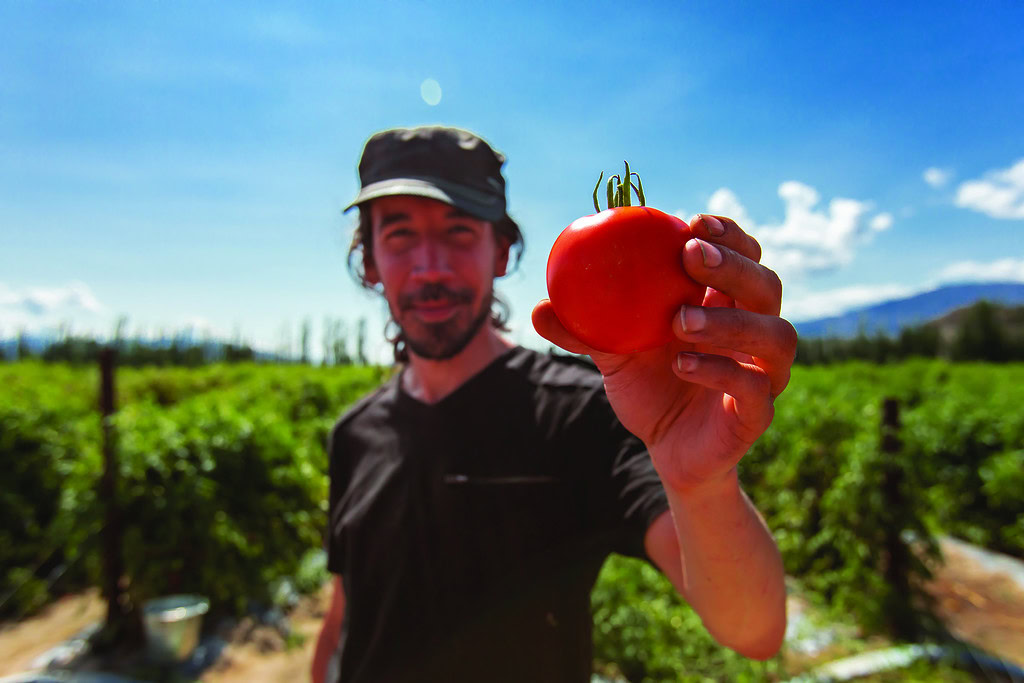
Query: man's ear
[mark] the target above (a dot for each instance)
(501, 258)
(371, 274)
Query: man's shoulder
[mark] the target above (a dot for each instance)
(557, 371)
(365, 406)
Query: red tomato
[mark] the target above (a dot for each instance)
(616, 278)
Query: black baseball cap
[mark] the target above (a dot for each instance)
(450, 165)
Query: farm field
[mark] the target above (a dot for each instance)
(220, 463)
(980, 605)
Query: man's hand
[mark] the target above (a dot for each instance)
(699, 402)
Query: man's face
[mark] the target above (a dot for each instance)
(437, 265)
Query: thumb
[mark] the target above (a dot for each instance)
(550, 327)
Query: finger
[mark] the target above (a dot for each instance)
(769, 340)
(725, 231)
(753, 286)
(747, 388)
(550, 327)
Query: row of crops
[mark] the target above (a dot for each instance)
(222, 476)
(223, 485)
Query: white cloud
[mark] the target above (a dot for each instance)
(44, 300)
(799, 303)
(810, 238)
(809, 305)
(999, 194)
(937, 177)
(724, 202)
(36, 308)
(1003, 270)
(882, 221)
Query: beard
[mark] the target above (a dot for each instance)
(446, 339)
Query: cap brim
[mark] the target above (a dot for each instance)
(472, 201)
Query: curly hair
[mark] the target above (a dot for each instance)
(360, 253)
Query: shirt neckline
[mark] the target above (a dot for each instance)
(406, 400)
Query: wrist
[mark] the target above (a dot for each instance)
(710, 507)
(719, 487)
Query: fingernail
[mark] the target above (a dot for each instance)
(714, 226)
(693, 319)
(712, 257)
(686, 362)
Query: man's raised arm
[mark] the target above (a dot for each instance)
(698, 403)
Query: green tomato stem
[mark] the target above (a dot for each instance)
(597, 207)
(618, 190)
(625, 186)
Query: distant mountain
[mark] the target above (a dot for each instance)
(212, 348)
(1010, 319)
(892, 316)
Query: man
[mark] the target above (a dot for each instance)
(475, 495)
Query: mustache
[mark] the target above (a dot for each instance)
(435, 292)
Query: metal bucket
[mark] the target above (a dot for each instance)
(172, 626)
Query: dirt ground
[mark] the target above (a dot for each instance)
(23, 642)
(984, 608)
(980, 606)
(259, 658)
(254, 653)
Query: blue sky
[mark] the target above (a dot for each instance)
(186, 163)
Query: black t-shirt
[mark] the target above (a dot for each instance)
(469, 532)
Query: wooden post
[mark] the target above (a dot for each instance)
(896, 551)
(891, 426)
(123, 628)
